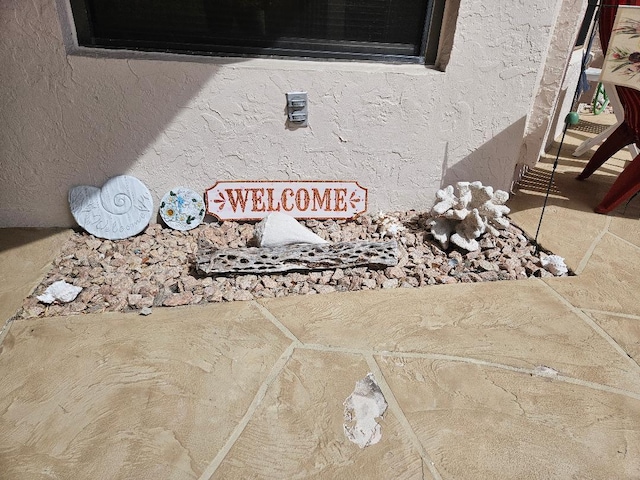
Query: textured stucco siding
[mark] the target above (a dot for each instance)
(558, 83)
(400, 131)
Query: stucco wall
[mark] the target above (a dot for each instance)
(400, 131)
(558, 82)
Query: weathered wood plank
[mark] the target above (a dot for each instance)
(212, 261)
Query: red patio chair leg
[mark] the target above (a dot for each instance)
(620, 138)
(626, 185)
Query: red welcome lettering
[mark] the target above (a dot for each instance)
(284, 199)
(318, 201)
(237, 199)
(256, 199)
(270, 207)
(302, 199)
(341, 203)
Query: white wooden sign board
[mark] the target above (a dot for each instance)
(252, 200)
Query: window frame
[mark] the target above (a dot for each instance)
(587, 23)
(80, 18)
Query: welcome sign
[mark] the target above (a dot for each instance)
(252, 200)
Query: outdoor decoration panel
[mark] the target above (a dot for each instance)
(622, 60)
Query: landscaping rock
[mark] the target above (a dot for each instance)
(155, 268)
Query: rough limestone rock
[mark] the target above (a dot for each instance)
(389, 226)
(61, 292)
(464, 217)
(278, 229)
(445, 200)
(361, 409)
(146, 270)
(554, 264)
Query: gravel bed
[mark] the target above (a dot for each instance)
(155, 268)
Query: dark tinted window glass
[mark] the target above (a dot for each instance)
(319, 28)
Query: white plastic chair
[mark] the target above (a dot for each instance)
(593, 75)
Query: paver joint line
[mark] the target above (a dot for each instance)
(273, 319)
(623, 240)
(597, 386)
(604, 333)
(397, 411)
(330, 348)
(471, 361)
(257, 400)
(526, 371)
(589, 253)
(612, 314)
(5, 329)
(597, 328)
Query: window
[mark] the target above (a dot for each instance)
(388, 30)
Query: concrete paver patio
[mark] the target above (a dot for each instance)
(532, 379)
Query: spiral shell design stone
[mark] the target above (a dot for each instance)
(120, 209)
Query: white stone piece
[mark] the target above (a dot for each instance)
(445, 200)
(361, 409)
(479, 194)
(554, 264)
(463, 217)
(120, 209)
(60, 291)
(389, 226)
(472, 226)
(469, 244)
(544, 371)
(459, 214)
(182, 209)
(278, 229)
(441, 229)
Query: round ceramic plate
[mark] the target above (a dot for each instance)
(182, 209)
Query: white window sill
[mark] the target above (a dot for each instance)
(297, 64)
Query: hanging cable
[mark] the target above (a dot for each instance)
(572, 117)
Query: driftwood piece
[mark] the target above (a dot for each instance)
(211, 261)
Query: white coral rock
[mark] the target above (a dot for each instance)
(389, 226)
(456, 214)
(470, 244)
(554, 264)
(461, 219)
(472, 226)
(60, 291)
(445, 200)
(441, 229)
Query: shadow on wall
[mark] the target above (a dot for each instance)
(77, 120)
(495, 159)
(81, 119)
